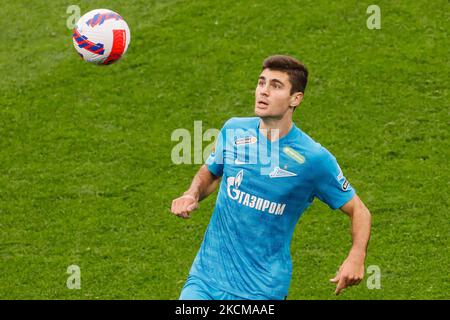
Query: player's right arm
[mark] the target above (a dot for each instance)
(205, 181)
(203, 184)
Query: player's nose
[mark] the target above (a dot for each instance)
(264, 91)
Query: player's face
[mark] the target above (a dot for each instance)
(273, 94)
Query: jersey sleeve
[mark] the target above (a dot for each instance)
(215, 161)
(331, 186)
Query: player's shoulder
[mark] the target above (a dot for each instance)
(241, 123)
(317, 153)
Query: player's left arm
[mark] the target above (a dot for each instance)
(351, 271)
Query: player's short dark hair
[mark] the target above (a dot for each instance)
(297, 72)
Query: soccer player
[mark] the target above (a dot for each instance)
(245, 253)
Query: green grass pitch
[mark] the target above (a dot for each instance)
(86, 176)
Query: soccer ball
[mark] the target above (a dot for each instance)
(101, 36)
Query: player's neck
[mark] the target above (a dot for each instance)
(281, 126)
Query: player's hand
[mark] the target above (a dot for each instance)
(184, 205)
(350, 273)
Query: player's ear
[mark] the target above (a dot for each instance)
(296, 99)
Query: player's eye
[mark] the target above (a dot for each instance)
(276, 85)
(261, 83)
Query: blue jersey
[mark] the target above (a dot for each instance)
(265, 188)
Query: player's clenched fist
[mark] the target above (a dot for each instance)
(184, 205)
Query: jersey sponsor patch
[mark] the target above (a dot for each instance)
(345, 185)
(281, 173)
(294, 155)
(344, 182)
(245, 140)
(250, 200)
(340, 175)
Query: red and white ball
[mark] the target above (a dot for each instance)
(101, 36)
